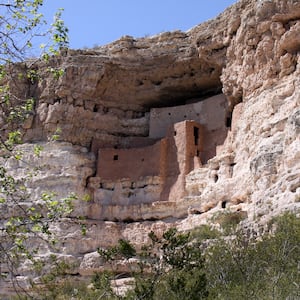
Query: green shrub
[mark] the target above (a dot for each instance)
(242, 267)
(204, 232)
(229, 220)
(174, 267)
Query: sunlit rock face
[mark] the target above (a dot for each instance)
(235, 78)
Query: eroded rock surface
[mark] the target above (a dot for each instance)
(104, 101)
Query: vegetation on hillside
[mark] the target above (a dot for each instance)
(24, 226)
(202, 264)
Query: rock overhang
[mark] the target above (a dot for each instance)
(244, 177)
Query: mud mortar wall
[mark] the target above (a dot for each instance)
(210, 112)
(114, 164)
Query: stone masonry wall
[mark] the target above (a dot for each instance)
(211, 113)
(133, 163)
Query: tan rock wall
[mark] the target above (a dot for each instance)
(263, 50)
(251, 52)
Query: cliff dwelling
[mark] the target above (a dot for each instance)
(139, 132)
(153, 168)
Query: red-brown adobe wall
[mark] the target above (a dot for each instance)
(171, 159)
(114, 164)
(195, 144)
(181, 158)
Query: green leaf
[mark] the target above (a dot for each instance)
(86, 198)
(37, 150)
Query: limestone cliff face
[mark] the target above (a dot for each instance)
(105, 100)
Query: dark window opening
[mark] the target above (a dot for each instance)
(196, 135)
(231, 166)
(216, 178)
(116, 157)
(158, 82)
(175, 133)
(184, 116)
(223, 204)
(198, 153)
(169, 114)
(229, 120)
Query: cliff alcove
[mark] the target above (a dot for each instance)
(128, 95)
(168, 130)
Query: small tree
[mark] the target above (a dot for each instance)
(171, 267)
(21, 27)
(242, 266)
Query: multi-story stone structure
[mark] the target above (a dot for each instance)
(154, 168)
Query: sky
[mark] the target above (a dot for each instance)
(99, 22)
